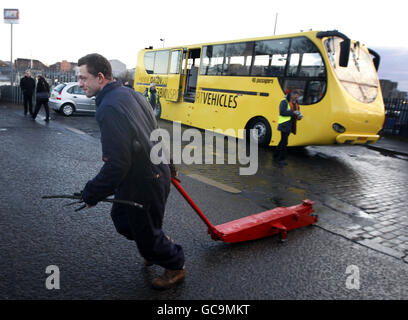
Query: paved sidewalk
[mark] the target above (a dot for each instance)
(392, 145)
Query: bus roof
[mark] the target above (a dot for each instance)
(310, 34)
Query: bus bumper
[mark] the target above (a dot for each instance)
(350, 138)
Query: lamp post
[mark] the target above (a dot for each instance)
(11, 16)
(162, 41)
(11, 55)
(276, 21)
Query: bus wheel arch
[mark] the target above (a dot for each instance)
(263, 134)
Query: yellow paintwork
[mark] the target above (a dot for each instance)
(362, 120)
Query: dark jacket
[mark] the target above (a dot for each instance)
(126, 121)
(42, 90)
(27, 84)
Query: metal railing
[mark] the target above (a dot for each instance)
(14, 93)
(396, 117)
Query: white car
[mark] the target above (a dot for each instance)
(68, 98)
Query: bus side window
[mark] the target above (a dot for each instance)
(183, 65)
(213, 60)
(305, 70)
(238, 58)
(313, 90)
(270, 57)
(161, 62)
(278, 64)
(260, 66)
(175, 62)
(149, 61)
(305, 59)
(293, 65)
(312, 65)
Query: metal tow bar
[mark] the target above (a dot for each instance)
(78, 196)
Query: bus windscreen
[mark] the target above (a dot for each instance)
(359, 78)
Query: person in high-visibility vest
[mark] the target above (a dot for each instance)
(152, 95)
(289, 113)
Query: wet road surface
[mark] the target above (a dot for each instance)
(365, 188)
(355, 189)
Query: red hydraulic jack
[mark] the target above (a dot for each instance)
(264, 224)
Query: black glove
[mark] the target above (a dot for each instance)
(86, 197)
(78, 194)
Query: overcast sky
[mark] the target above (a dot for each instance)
(52, 31)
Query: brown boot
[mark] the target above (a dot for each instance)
(169, 278)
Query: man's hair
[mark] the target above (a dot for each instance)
(96, 63)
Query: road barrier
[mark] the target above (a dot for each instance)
(396, 117)
(14, 94)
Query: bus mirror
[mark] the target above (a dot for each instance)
(376, 59)
(344, 52)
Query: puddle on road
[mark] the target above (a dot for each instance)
(298, 191)
(276, 200)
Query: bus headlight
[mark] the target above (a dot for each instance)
(338, 128)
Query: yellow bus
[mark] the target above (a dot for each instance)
(239, 85)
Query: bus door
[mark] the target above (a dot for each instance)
(174, 84)
(190, 70)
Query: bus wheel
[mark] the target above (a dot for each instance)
(261, 133)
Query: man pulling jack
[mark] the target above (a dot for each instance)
(126, 121)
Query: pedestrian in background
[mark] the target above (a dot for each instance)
(126, 121)
(27, 85)
(289, 114)
(42, 95)
(152, 95)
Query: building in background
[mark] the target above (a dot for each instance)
(22, 64)
(63, 66)
(390, 90)
(118, 68)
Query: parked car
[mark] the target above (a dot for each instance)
(68, 98)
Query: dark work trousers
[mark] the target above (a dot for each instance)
(145, 227)
(281, 149)
(38, 106)
(28, 103)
